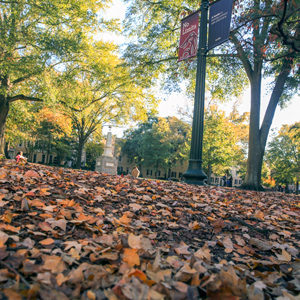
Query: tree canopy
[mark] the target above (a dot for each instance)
(283, 156)
(51, 54)
(160, 142)
(263, 43)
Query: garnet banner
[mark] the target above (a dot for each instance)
(188, 44)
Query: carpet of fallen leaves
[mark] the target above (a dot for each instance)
(72, 234)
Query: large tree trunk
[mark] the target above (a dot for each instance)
(4, 108)
(79, 154)
(255, 149)
(258, 135)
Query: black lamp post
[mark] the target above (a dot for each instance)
(195, 174)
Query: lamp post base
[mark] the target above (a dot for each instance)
(194, 174)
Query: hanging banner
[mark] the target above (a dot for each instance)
(188, 45)
(219, 22)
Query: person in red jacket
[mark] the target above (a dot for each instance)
(21, 158)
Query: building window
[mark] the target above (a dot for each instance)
(158, 173)
(147, 172)
(34, 158)
(120, 158)
(55, 160)
(236, 181)
(150, 172)
(212, 180)
(180, 175)
(50, 159)
(173, 174)
(21, 144)
(216, 180)
(127, 170)
(43, 158)
(240, 181)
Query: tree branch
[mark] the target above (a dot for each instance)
(276, 94)
(278, 29)
(242, 56)
(23, 97)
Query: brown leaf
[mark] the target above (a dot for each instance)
(45, 226)
(262, 245)
(259, 214)
(53, 263)
(131, 257)
(31, 173)
(135, 241)
(228, 244)
(11, 295)
(46, 242)
(182, 250)
(285, 256)
(7, 216)
(25, 204)
(218, 225)
(203, 253)
(227, 286)
(3, 238)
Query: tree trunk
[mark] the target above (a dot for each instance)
(4, 108)
(209, 174)
(258, 136)
(255, 149)
(79, 154)
(286, 190)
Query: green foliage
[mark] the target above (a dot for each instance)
(37, 37)
(21, 122)
(283, 155)
(218, 141)
(222, 147)
(160, 143)
(93, 151)
(100, 90)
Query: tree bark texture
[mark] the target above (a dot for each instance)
(4, 108)
(79, 154)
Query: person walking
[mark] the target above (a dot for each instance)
(135, 172)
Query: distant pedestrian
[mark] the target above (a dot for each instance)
(21, 158)
(135, 172)
(229, 182)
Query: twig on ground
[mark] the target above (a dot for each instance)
(263, 231)
(16, 272)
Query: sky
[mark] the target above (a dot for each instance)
(170, 106)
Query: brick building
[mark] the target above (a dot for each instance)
(125, 166)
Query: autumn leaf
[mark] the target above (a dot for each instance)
(182, 250)
(135, 241)
(131, 257)
(218, 225)
(160, 239)
(53, 263)
(31, 173)
(47, 242)
(3, 238)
